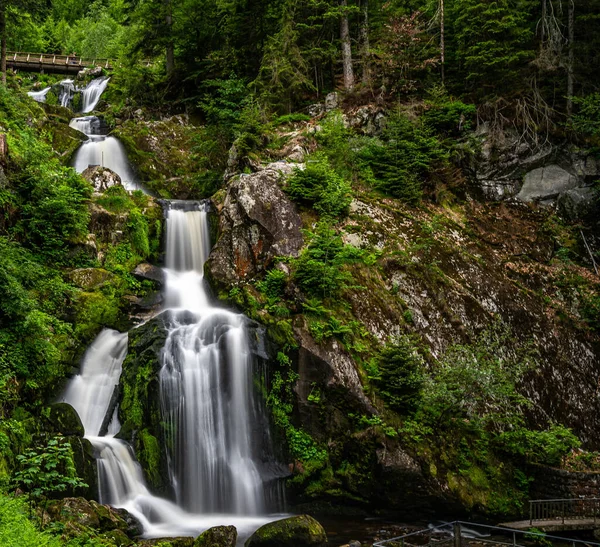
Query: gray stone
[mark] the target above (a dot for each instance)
(315, 110)
(579, 203)
(148, 271)
(257, 223)
(546, 183)
(101, 177)
(332, 101)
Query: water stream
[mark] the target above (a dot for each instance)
(218, 468)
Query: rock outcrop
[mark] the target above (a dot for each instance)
(257, 223)
(101, 178)
(218, 536)
(300, 531)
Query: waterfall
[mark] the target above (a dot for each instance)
(214, 430)
(91, 94)
(206, 384)
(39, 96)
(65, 95)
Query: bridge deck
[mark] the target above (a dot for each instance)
(554, 525)
(38, 62)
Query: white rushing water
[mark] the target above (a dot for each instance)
(206, 400)
(91, 94)
(102, 149)
(206, 384)
(67, 90)
(39, 96)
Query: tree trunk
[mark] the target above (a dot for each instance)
(364, 35)
(442, 40)
(170, 61)
(3, 41)
(346, 48)
(571, 58)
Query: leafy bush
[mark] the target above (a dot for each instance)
(400, 376)
(449, 117)
(404, 158)
(320, 186)
(274, 283)
(319, 269)
(296, 117)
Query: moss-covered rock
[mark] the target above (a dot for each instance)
(91, 278)
(139, 410)
(64, 420)
(300, 531)
(167, 542)
(218, 536)
(160, 152)
(63, 139)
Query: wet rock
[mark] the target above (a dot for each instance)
(77, 510)
(167, 542)
(257, 223)
(101, 178)
(86, 466)
(579, 203)
(107, 226)
(65, 420)
(89, 72)
(116, 537)
(300, 531)
(218, 536)
(91, 278)
(546, 183)
(150, 272)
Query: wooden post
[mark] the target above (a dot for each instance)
(457, 535)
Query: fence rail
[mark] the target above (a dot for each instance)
(459, 534)
(56, 60)
(564, 509)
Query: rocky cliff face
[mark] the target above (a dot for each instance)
(443, 275)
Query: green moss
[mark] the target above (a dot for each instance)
(149, 454)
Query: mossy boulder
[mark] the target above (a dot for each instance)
(139, 411)
(64, 419)
(91, 278)
(167, 542)
(63, 139)
(218, 536)
(300, 531)
(79, 515)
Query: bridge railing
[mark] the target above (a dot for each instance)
(55, 59)
(463, 534)
(564, 509)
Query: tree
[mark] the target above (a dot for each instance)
(346, 47)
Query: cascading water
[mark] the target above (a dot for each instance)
(206, 384)
(210, 417)
(39, 96)
(91, 94)
(67, 90)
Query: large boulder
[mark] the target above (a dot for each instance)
(65, 420)
(300, 531)
(101, 178)
(546, 183)
(91, 278)
(218, 536)
(257, 223)
(579, 203)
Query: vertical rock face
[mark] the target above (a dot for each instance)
(257, 223)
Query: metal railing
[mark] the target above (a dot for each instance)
(564, 509)
(459, 533)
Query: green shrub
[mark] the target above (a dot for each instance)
(273, 284)
(449, 117)
(296, 117)
(320, 186)
(319, 269)
(403, 159)
(401, 377)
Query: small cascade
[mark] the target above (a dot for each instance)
(91, 94)
(39, 96)
(65, 95)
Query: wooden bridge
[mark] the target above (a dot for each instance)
(44, 62)
(560, 515)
